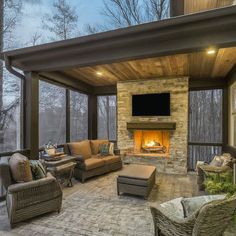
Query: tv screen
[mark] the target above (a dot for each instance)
(157, 104)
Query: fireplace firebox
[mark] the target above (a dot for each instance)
(151, 142)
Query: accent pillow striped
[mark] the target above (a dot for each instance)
(37, 169)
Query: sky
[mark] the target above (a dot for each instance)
(33, 11)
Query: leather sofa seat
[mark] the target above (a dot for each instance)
(92, 163)
(111, 159)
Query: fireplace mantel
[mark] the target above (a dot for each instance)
(139, 125)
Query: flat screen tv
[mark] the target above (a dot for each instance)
(157, 104)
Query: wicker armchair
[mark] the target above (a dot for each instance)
(211, 219)
(29, 199)
(204, 168)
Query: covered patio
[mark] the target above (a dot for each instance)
(189, 56)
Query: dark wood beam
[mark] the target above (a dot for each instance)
(176, 8)
(183, 34)
(32, 114)
(92, 116)
(225, 117)
(67, 81)
(231, 77)
(198, 84)
(105, 90)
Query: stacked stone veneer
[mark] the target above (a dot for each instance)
(178, 89)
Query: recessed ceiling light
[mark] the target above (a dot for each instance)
(99, 73)
(211, 51)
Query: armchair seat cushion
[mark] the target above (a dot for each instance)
(92, 163)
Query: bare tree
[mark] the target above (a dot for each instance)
(9, 14)
(125, 13)
(35, 38)
(122, 12)
(63, 22)
(156, 9)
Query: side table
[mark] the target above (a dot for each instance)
(62, 169)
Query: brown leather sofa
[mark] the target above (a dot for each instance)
(89, 162)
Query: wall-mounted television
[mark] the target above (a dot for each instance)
(157, 104)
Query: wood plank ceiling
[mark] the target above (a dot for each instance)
(197, 65)
(191, 6)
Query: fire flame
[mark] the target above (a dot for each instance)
(151, 144)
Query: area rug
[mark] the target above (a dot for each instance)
(93, 210)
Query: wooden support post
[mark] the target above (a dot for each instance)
(31, 124)
(176, 8)
(225, 123)
(67, 115)
(92, 116)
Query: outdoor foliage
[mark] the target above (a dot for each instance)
(220, 183)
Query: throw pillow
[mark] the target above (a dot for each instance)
(217, 161)
(95, 145)
(191, 205)
(37, 169)
(20, 168)
(104, 149)
(111, 149)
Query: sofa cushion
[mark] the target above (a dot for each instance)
(20, 168)
(37, 169)
(80, 148)
(95, 145)
(92, 163)
(111, 159)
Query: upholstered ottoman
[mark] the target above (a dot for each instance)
(137, 180)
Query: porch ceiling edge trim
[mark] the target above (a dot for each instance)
(151, 125)
(171, 36)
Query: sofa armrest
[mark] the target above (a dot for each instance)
(79, 158)
(14, 188)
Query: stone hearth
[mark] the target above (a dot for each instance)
(175, 159)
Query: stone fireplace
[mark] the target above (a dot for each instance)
(159, 141)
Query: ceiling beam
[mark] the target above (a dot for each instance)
(183, 34)
(196, 83)
(67, 81)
